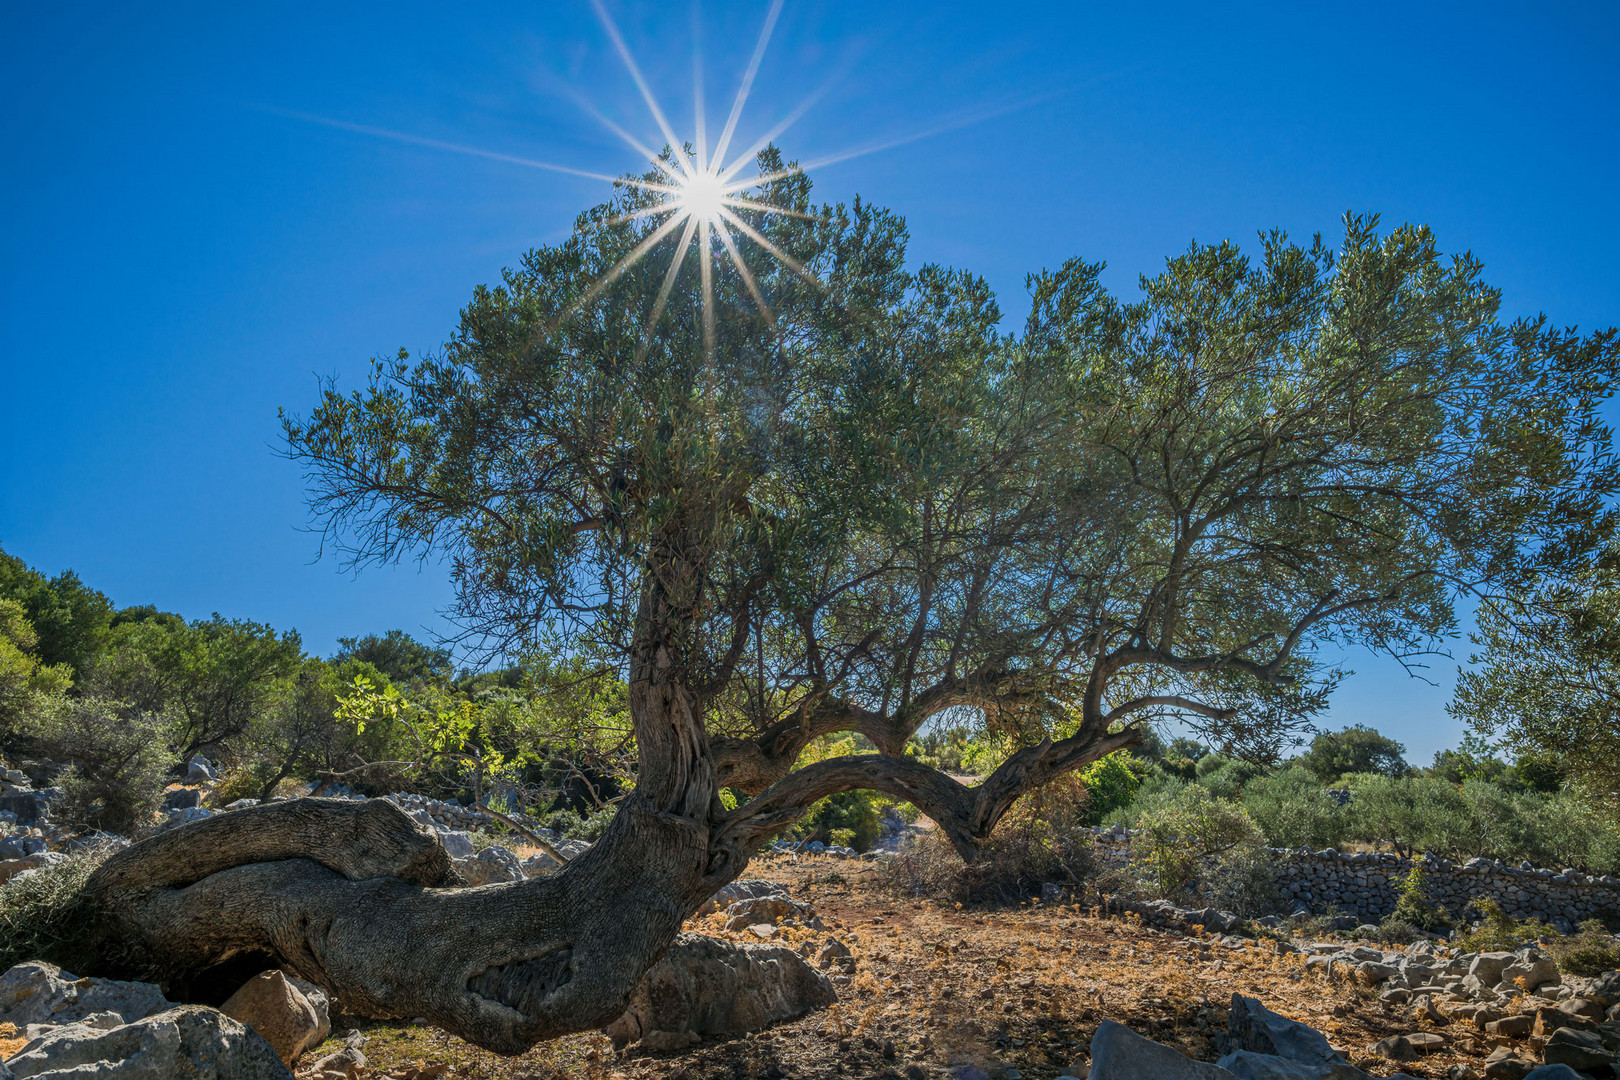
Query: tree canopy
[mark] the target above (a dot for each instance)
(873, 506)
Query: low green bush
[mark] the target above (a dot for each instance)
(1591, 950)
(1172, 843)
(43, 917)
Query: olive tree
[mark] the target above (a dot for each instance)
(838, 497)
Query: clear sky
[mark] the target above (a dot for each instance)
(182, 254)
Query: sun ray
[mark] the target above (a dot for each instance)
(457, 148)
(706, 272)
(624, 264)
(769, 137)
(699, 119)
(641, 82)
(668, 286)
(645, 211)
(781, 256)
(675, 175)
(747, 278)
(769, 208)
(747, 81)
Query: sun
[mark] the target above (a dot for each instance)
(702, 195)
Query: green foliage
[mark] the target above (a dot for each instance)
(119, 757)
(398, 655)
(1293, 810)
(1225, 776)
(23, 677)
(1356, 749)
(1413, 906)
(69, 619)
(855, 815)
(590, 827)
(1590, 951)
(1546, 680)
(216, 676)
(1500, 932)
(1110, 784)
(1172, 842)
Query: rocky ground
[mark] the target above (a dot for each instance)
(939, 991)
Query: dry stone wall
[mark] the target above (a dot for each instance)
(1366, 884)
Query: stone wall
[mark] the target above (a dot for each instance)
(1365, 884)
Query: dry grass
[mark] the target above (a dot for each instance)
(939, 985)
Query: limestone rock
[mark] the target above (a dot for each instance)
(1530, 970)
(766, 909)
(1395, 1048)
(744, 889)
(1247, 1065)
(41, 993)
(491, 865)
(1118, 1053)
(186, 1043)
(280, 1012)
(1580, 1050)
(1256, 1028)
(709, 987)
(1553, 1072)
(456, 844)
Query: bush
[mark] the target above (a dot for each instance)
(1294, 810)
(1414, 908)
(1500, 932)
(1110, 783)
(1041, 839)
(1172, 843)
(120, 761)
(42, 916)
(591, 827)
(851, 818)
(1590, 951)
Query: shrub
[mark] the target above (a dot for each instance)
(1500, 932)
(1590, 951)
(1294, 810)
(42, 916)
(1110, 785)
(1414, 908)
(856, 816)
(591, 827)
(120, 760)
(1173, 842)
(1041, 839)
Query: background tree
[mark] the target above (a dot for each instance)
(1356, 749)
(398, 655)
(215, 676)
(23, 678)
(69, 619)
(868, 508)
(1547, 682)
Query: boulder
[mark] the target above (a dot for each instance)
(1580, 1050)
(41, 993)
(199, 771)
(1395, 1048)
(279, 1011)
(1530, 970)
(493, 864)
(191, 1042)
(1118, 1053)
(182, 799)
(1504, 1065)
(766, 909)
(1253, 1027)
(745, 889)
(456, 844)
(707, 987)
(1552, 1072)
(1487, 967)
(1247, 1065)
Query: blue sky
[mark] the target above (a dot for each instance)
(181, 256)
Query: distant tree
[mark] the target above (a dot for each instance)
(117, 755)
(69, 618)
(214, 676)
(1546, 680)
(23, 678)
(1356, 749)
(398, 655)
